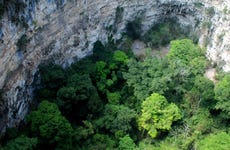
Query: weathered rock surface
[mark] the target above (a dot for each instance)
(64, 31)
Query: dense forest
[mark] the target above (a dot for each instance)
(115, 100)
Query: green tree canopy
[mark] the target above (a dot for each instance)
(201, 94)
(52, 75)
(184, 50)
(48, 123)
(157, 114)
(100, 142)
(21, 143)
(147, 77)
(66, 97)
(120, 56)
(117, 118)
(126, 143)
(222, 95)
(219, 141)
(186, 58)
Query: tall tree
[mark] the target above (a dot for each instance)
(52, 128)
(184, 50)
(157, 114)
(117, 118)
(147, 77)
(222, 95)
(201, 94)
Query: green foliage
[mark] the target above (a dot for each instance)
(52, 76)
(198, 65)
(185, 51)
(158, 114)
(165, 145)
(210, 11)
(147, 77)
(66, 98)
(102, 72)
(101, 69)
(101, 53)
(220, 141)
(107, 96)
(119, 15)
(22, 42)
(225, 10)
(108, 74)
(171, 77)
(126, 45)
(222, 95)
(12, 133)
(149, 144)
(202, 93)
(83, 132)
(133, 28)
(113, 98)
(198, 4)
(162, 33)
(2, 10)
(21, 143)
(126, 143)
(203, 88)
(186, 60)
(15, 7)
(120, 56)
(201, 121)
(83, 66)
(101, 142)
(146, 144)
(82, 85)
(117, 118)
(48, 124)
(84, 91)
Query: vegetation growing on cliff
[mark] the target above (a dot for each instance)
(104, 102)
(112, 100)
(13, 8)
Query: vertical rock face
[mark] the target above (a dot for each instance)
(64, 31)
(218, 46)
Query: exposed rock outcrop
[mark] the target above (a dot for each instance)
(64, 31)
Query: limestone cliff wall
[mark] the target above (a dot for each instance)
(64, 31)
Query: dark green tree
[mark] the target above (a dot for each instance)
(50, 126)
(52, 76)
(201, 94)
(83, 132)
(117, 118)
(100, 142)
(147, 77)
(66, 99)
(21, 143)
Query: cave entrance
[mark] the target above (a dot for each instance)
(156, 41)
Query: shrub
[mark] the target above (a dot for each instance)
(133, 29)
(22, 42)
